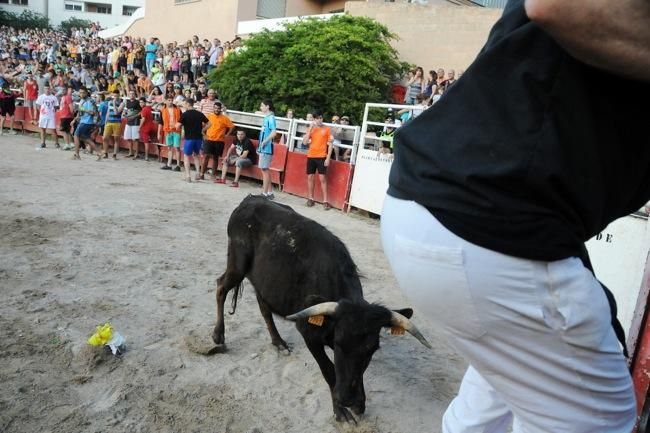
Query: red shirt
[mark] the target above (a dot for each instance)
(147, 116)
(31, 90)
(66, 104)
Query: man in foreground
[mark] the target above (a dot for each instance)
(498, 212)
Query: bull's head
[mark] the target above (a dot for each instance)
(355, 340)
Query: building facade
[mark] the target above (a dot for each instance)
(108, 13)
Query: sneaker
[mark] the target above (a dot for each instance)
(115, 157)
(43, 146)
(177, 168)
(165, 167)
(270, 196)
(327, 206)
(75, 156)
(310, 203)
(236, 185)
(219, 180)
(15, 133)
(57, 146)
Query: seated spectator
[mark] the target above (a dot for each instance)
(241, 154)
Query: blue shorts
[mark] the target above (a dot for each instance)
(264, 161)
(84, 131)
(192, 146)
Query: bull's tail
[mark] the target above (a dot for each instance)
(236, 294)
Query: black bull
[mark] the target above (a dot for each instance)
(295, 264)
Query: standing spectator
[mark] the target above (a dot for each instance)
(319, 139)
(207, 105)
(47, 104)
(147, 125)
(414, 86)
(132, 129)
(102, 117)
(265, 146)
(431, 84)
(150, 54)
(220, 126)
(113, 123)
(7, 106)
(451, 79)
(85, 128)
(171, 116)
(66, 116)
(241, 154)
(194, 124)
(30, 91)
(441, 81)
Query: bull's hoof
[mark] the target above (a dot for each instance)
(343, 414)
(218, 337)
(201, 344)
(281, 345)
(359, 409)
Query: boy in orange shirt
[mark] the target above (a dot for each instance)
(221, 125)
(319, 138)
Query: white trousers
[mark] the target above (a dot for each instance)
(537, 334)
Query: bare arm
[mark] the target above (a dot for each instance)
(611, 35)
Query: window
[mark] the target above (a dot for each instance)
(99, 8)
(271, 8)
(19, 2)
(129, 10)
(73, 7)
(4, 1)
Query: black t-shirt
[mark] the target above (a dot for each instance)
(193, 121)
(132, 112)
(527, 154)
(243, 146)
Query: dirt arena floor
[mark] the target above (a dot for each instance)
(86, 242)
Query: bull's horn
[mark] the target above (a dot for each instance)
(324, 308)
(403, 322)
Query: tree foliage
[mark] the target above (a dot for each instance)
(335, 65)
(74, 23)
(25, 20)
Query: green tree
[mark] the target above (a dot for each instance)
(336, 65)
(76, 23)
(26, 20)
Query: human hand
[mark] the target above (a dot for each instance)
(327, 162)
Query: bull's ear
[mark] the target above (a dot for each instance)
(406, 312)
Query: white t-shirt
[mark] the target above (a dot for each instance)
(47, 104)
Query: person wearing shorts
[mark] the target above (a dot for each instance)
(320, 141)
(241, 154)
(265, 146)
(7, 106)
(86, 127)
(113, 123)
(170, 116)
(30, 90)
(147, 125)
(221, 125)
(194, 124)
(66, 118)
(132, 129)
(47, 104)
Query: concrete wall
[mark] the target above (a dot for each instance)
(432, 36)
(179, 22)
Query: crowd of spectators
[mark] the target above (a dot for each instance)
(96, 83)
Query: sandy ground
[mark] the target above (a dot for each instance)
(86, 242)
